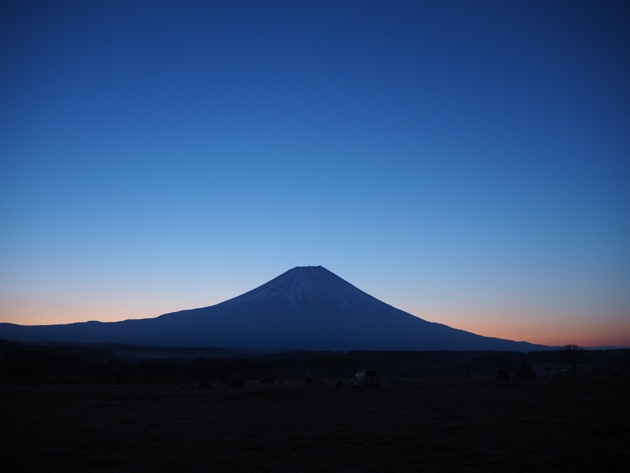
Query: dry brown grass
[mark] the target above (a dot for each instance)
(560, 425)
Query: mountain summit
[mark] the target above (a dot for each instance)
(306, 287)
(305, 308)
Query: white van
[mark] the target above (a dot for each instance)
(365, 378)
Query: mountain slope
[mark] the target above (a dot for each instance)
(304, 308)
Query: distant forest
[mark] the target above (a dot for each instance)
(122, 364)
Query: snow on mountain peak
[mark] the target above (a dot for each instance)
(304, 285)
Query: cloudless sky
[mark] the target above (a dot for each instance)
(465, 161)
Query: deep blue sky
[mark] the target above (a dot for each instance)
(466, 161)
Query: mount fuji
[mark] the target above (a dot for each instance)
(306, 308)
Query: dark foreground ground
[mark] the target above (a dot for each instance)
(560, 425)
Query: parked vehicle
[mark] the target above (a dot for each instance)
(365, 378)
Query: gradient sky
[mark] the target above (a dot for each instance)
(465, 161)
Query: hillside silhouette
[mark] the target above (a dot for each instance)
(305, 308)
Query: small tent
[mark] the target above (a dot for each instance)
(526, 372)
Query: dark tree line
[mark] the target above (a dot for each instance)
(20, 363)
(572, 355)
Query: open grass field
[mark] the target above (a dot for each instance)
(560, 425)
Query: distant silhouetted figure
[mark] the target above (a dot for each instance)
(309, 379)
(339, 382)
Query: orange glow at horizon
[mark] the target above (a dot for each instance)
(544, 327)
